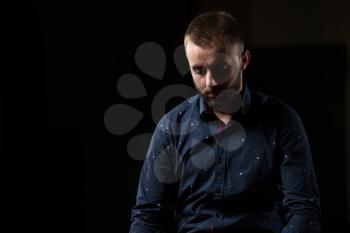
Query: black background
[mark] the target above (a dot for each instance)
(60, 63)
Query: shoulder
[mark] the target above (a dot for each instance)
(271, 107)
(186, 107)
(182, 113)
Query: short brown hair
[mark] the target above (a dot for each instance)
(214, 27)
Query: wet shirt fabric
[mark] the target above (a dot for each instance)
(253, 174)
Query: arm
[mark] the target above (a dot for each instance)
(301, 200)
(156, 192)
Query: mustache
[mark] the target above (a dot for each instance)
(216, 89)
(212, 91)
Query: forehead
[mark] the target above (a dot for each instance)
(200, 54)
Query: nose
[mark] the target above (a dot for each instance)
(209, 80)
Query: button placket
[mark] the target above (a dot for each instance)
(219, 171)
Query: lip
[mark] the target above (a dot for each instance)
(211, 94)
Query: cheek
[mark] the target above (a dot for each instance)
(235, 72)
(199, 81)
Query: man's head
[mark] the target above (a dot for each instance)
(215, 52)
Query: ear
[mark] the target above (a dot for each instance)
(245, 59)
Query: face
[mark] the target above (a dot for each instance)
(217, 75)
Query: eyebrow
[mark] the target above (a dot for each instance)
(196, 67)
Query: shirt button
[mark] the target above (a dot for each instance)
(218, 190)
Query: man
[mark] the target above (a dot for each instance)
(228, 159)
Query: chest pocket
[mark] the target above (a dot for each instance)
(249, 169)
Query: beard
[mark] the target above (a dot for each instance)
(224, 99)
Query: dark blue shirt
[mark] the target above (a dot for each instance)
(254, 174)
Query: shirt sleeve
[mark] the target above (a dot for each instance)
(157, 188)
(301, 201)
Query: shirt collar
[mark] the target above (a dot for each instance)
(205, 111)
